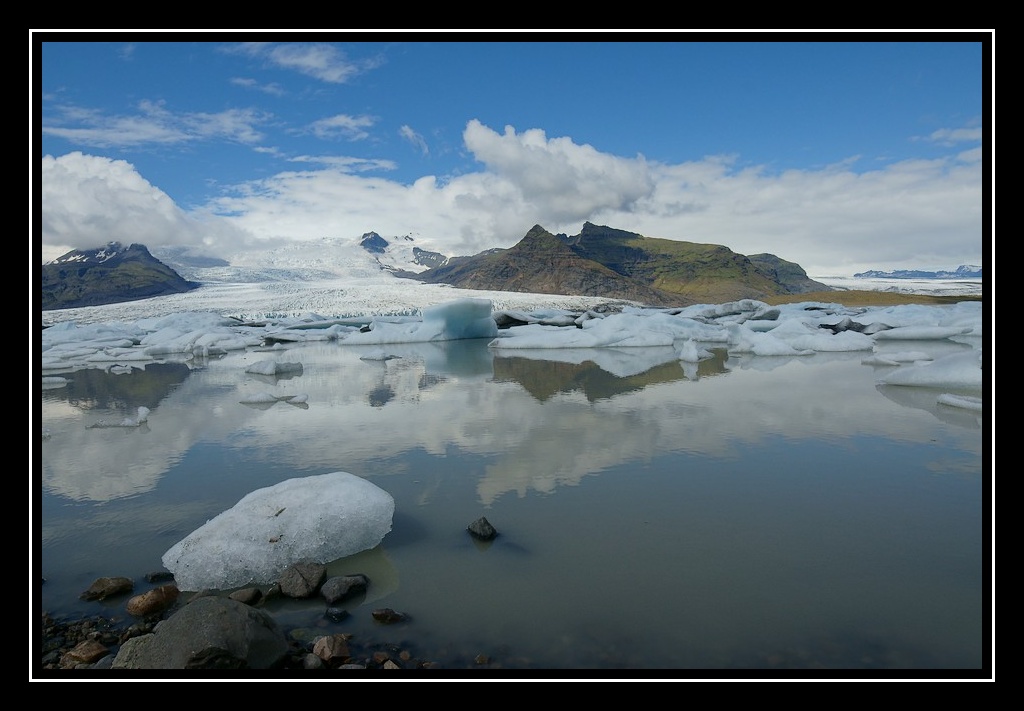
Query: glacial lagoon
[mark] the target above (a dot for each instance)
(740, 513)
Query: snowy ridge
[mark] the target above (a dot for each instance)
(313, 260)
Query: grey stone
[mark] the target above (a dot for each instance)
(343, 586)
(482, 528)
(209, 633)
(302, 579)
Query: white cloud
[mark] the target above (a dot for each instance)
(347, 163)
(154, 124)
(558, 178)
(414, 138)
(950, 136)
(321, 61)
(351, 128)
(88, 201)
(833, 221)
(271, 88)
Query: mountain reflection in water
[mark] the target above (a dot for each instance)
(739, 512)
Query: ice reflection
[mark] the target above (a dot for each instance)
(540, 423)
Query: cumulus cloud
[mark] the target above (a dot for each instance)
(561, 179)
(834, 220)
(88, 201)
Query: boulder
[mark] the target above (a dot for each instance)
(209, 633)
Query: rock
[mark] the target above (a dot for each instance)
(159, 576)
(311, 661)
(153, 601)
(388, 616)
(209, 633)
(343, 586)
(482, 529)
(249, 596)
(302, 579)
(102, 588)
(332, 649)
(336, 614)
(86, 652)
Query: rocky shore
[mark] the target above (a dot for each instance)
(231, 630)
(93, 643)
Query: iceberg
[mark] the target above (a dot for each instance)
(463, 318)
(319, 518)
(957, 370)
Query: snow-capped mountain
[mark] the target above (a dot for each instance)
(366, 257)
(964, 271)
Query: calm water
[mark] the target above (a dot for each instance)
(746, 513)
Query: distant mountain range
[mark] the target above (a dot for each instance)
(105, 275)
(599, 261)
(964, 271)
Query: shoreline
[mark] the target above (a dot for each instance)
(873, 298)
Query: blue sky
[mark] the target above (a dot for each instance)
(840, 156)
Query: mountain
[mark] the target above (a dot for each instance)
(369, 256)
(964, 271)
(599, 261)
(107, 275)
(540, 263)
(603, 261)
(395, 256)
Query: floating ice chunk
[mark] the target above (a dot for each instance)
(921, 333)
(273, 367)
(743, 340)
(259, 399)
(378, 354)
(966, 402)
(464, 318)
(959, 370)
(319, 518)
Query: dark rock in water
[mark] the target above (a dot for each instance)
(209, 633)
(102, 588)
(343, 586)
(388, 616)
(159, 576)
(482, 529)
(302, 579)
(336, 614)
(332, 649)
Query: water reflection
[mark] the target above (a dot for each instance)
(542, 422)
(751, 511)
(594, 372)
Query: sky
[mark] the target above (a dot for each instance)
(841, 156)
